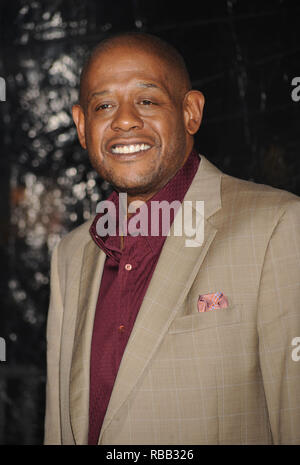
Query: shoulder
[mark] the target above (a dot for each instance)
(258, 200)
(72, 244)
(238, 196)
(68, 254)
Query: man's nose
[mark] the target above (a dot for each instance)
(126, 118)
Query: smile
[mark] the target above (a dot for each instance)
(132, 148)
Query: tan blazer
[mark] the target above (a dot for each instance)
(228, 376)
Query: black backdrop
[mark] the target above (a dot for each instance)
(242, 55)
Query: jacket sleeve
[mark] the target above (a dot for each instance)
(54, 325)
(278, 320)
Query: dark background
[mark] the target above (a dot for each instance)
(242, 55)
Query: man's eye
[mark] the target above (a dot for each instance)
(103, 106)
(146, 102)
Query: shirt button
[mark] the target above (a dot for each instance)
(128, 267)
(121, 328)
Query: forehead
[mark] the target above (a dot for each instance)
(119, 63)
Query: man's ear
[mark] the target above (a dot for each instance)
(78, 118)
(193, 104)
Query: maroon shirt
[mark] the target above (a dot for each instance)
(126, 276)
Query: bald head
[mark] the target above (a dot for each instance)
(147, 43)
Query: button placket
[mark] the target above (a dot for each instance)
(126, 269)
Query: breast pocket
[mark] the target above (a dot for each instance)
(199, 321)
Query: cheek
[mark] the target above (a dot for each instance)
(163, 130)
(173, 136)
(171, 126)
(94, 133)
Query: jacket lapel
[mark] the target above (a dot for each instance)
(92, 268)
(170, 283)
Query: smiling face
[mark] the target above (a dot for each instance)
(134, 121)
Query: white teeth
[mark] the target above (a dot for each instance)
(130, 148)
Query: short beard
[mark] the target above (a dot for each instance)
(146, 184)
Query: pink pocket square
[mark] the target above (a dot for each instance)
(208, 302)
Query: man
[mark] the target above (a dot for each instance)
(151, 341)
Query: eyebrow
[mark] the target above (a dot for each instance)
(147, 85)
(95, 94)
(150, 85)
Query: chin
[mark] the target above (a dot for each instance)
(134, 186)
(130, 189)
